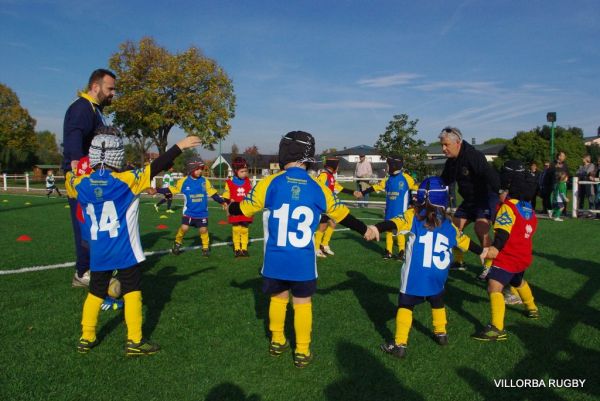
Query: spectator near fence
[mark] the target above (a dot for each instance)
(545, 184)
(536, 176)
(586, 172)
(363, 170)
(82, 119)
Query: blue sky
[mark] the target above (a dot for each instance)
(338, 69)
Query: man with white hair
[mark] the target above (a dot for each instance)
(478, 184)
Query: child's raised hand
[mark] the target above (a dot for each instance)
(189, 142)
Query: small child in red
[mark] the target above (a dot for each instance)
(236, 189)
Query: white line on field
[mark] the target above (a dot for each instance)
(149, 253)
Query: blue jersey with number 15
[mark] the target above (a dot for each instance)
(293, 202)
(110, 204)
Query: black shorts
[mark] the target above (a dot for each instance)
(195, 222)
(241, 223)
(324, 219)
(472, 211)
(504, 277)
(130, 279)
(409, 301)
(299, 289)
(168, 195)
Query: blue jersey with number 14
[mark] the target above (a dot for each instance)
(110, 203)
(293, 202)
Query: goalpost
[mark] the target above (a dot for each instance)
(576, 195)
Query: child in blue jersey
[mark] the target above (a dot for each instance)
(109, 198)
(397, 187)
(196, 189)
(431, 237)
(293, 202)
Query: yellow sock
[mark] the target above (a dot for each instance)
(389, 242)
(303, 327)
(526, 296)
(439, 320)
(327, 236)
(318, 239)
(179, 236)
(401, 242)
(498, 308)
(89, 318)
(513, 290)
(245, 237)
(459, 256)
(133, 315)
(403, 324)
(205, 239)
(235, 236)
(488, 263)
(277, 310)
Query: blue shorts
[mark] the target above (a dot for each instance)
(472, 211)
(409, 301)
(299, 289)
(195, 222)
(504, 277)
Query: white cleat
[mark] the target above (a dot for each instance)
(81, 282)
(327, 250)
(320, 254)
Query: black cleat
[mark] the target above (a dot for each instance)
(458, 266)
(396, 350)
(532, 314)
(400, 256)
(144, 347)
(276, 349)
(245, 253)
(205, 252)
(176, 250)
(302, 360)
(237, 253)
(388, 256)
(84, 346)
(490, 333)
(441, 338)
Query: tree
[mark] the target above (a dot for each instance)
(496, 141)
(46, 151)
(158, 90)
(252, 155)
(594, 151)
(328, 151)
(534, 146)
(181, 161)
(139, 145)
(17, 129)
(400, 138)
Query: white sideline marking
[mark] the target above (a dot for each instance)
(149, 253)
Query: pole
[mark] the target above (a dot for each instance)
(552, 141)
(220, 165)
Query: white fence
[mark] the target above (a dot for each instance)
(575, 212)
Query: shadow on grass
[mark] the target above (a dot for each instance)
(229, 392)
(261, 301)
(375, 301)
(159, 289)
(551, 351)
(365, 378)
(151, 238)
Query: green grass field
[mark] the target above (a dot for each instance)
(209, 316)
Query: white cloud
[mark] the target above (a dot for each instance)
(462, 86)
(348, 104)
(401, 78)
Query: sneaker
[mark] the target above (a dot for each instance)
(205, 252)
(532, 314)
(490, 333)
(302, 360)
(320, 254)
(458, 266)
(244, 253)
(512, 299)
(276, 349)
(237, 253)
(156, 208)
(176, 249)
(484, 273)
(441, 338)
(397, 350)
(170, 211)
(84, 346)
(144, 347)
(400, 256)
(327, 250)
(81, 282)
(388, 255)
(557, 219)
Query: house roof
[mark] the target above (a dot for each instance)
(262, 161)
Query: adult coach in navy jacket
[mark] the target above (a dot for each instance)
(478, 184)
(82, 119)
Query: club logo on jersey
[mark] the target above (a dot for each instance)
(296, 192)
(98, 192)
(241, 191)
(401, 185)
(528, 230)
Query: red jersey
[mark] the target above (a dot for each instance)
(237, 193)
(520, 222)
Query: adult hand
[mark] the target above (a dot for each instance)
(491, 253)
(372, 233)
(189, 142)
(151, 191)
(74, 165)
(358, 194)
(483, 255)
